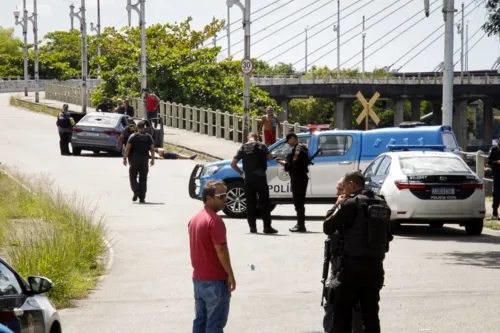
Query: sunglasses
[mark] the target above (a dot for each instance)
(221, 195)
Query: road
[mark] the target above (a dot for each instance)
(436, 280)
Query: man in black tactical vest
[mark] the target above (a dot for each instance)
(255, 155)
(297, 165)
(65, 125)
(494, 163)
(363, 217)
(140, 147)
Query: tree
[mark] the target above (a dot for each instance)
(492, 24)
(10, 45)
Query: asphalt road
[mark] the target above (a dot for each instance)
(436, 280)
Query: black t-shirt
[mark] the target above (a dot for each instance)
(298, 160)
(254, 158)
(104, 107)
(494, 156)
(140, 144)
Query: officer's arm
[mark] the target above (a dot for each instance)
(236, 159)
(266, 153)
(491, 159)
(342, 215)
(152, 148)
(330, 212)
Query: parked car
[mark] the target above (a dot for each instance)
(428, 187)
(340, 151)
(23, 307)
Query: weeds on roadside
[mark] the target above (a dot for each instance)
(46, 234)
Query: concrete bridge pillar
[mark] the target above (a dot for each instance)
(338, 116)
(399, 112)
(437, 113)
(415, 109)
(348, 113)
(488, 122)
(283, 115)
(460, 123)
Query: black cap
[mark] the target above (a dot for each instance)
(65, 107)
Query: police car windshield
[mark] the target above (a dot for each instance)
(432, 165)
(99, 120)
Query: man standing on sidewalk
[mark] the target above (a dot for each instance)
(213, 277)
(270, 123)
(255, 155)
(152, 102)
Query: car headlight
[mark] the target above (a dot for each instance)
(211, 170)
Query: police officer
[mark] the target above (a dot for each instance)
(334, 245)
(139, 146)
(130, 129)
(65, 125)
(297, 165)
(494, 163)
(105, 106)
(255, 155)
(363, 218)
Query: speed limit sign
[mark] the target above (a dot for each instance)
(246, 66)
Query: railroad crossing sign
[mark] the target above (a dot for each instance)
(367, 109)
(246, 66)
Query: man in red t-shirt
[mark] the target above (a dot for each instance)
(152, 102)
(213, 276)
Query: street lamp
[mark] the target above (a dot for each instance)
(142, 22)
(246, 90)
(460, 30)
(98, 28)
(71, 15)
(24, 24)
(83, 28)
(34, 19)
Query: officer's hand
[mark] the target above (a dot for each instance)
(152, 162)
(341, 198)
(125, 162)
(243, 175)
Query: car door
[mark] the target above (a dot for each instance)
(277, 178)
(338, 156)
(18, 311)
(381, 173)
(370, 170)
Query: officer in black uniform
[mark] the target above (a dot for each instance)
(105, 106)
(494, 163)
(65, 125)
(363, 218)
(126, 133)
(255, 155)
(297, 165)
(139, 146)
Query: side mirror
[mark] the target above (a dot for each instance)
(40, 284)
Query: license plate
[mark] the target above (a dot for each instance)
(92, 134)
(443, 191)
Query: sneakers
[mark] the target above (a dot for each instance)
(270, 230)
(253, 230)
(134, 198)
(298, 228)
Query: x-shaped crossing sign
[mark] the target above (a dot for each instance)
(367, 109)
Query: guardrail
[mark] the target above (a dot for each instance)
(294, 79)
(477, 162)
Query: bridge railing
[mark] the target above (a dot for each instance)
(478, 163)
(296, 79)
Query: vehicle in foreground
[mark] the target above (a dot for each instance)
(23, 307)
(423, 186)
(337, 152)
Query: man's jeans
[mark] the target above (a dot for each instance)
(211, 306)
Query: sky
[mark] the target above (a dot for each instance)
(283, 20)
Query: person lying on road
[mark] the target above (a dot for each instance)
(168, 155)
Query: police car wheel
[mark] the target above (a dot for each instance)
(236, 203)
(474, 227)
(77, 151)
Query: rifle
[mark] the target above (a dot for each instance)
(314, 156)
(326, 262)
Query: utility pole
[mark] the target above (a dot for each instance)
(98, 30)
(337, 29)
(363, 48)
(467, 47)
(71, 15)
(142, 22)
(24, 25)
(34, 20)
(228, 30)
(83, 28)
(449, 13)
(460, 29)
(306, 49)
(129, 4)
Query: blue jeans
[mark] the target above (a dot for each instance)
(211, 306)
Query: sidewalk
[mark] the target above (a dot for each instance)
(200, 143)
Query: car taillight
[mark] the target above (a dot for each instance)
(478, 186)
(77, 130)
(112, 133)
(404, 185)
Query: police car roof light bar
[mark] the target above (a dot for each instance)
(417, 147)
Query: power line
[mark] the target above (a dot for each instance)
(262, 16)
(442, 34)
(480, 28)
(394, 38)
(300, 34)
(286, 26)
(380, 20)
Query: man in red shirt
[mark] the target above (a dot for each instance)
(213, 276)
(152, 102)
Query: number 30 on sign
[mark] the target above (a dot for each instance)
(246, 66)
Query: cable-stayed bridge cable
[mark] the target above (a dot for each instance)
(470, 48)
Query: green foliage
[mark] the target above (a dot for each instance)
(492, 24)
(9, 45)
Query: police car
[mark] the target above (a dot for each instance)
(426, 185)
(336, 153)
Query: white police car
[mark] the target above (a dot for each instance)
(423, 186)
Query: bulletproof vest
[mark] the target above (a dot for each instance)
(301, 164)
(64, 120)
(141, 144)
(254, 160)
(369, 236)
(494, 155)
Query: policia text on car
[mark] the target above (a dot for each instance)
(362, 219)
(140, 147)
(65, 125)
(255, 155)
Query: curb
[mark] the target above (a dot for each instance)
(107, 243)
(21, 100)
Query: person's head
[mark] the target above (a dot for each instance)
(141, 125)
(214, 195)
(253, 137)
(353, 182)
(146, 92)
(65, 107)
(340, 186)
(127, 101)
(292, 139)
(119, 102)
(104, 99)
(270, 110)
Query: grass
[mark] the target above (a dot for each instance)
(39, 108)
(492, 225)
(42, 233)
(185, 151)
